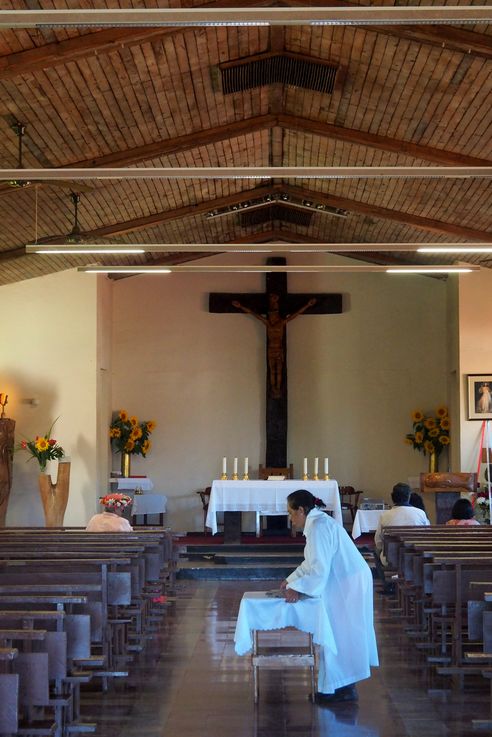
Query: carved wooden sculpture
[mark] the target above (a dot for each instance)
(7, 428)
(55, 496)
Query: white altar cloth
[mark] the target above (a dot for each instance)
(261, 612)
(149, 504)
(366, 520)
(131, 483)
(267, 497)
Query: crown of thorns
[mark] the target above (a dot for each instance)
(116, 500)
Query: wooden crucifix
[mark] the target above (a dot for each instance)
(276, 308)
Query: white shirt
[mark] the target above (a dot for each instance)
(334, 570)
(401, 516)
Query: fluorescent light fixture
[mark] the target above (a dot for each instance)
(78, 250)
(245, 16)
(253, 172)
(261, 268)
(274, 247)
(456, 249)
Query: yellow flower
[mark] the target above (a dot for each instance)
(129, 446)
(146, 445)
(419, 437)
(429, 446)
(136, 433)
(442, 411)
(408, 441)
(417, 416)
(434, 432)
(444, 440)
(42, 444)
(123, 415)
(133, 421)
(445, 423)
(430, 423)
(151, 425)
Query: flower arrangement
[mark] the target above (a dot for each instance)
(482, 507)
(128, 435)
(116, 501)
(44, 448)
(430, 434)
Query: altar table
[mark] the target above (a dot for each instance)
(267, 497)
(261, 612)
(366, 520)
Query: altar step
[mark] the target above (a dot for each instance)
(238, 562)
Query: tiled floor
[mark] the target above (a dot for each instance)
(190, 683)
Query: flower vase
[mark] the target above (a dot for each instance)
(433, 463)
(125, 465)
(55, 496)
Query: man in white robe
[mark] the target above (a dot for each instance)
(334, 570)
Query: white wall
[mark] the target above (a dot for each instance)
(48, 327)
(475, 310)
(354, 378)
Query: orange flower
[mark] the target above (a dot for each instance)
(429, 423)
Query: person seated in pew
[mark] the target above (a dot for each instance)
(417, 501)
(111, 519)
(334, 570)
(462, 514)
(402, 514)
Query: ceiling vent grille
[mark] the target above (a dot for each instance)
(275, 212)
(285, 68)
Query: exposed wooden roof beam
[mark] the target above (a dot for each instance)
(428, 224)
(383, 143)
(108, 40)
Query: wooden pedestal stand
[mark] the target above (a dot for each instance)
(7, 428)
(55, 496)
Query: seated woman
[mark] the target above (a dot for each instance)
(462, 514)
(417, 501)
(111, 519)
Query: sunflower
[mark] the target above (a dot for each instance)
(136, 433)
(133, 421)
(42, 444)
(151, 425)
(444, 440)
(129, 445)
(429, 446)
(146, 445)
(429, 423)
(417, 416)
(445, 423)
(123, 415)
(442, 411)
(419, 437)
(434, 432)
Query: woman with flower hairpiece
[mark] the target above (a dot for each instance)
(111, 520)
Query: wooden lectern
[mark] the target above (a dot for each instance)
(448, 488)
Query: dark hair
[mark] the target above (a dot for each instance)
(304, 499)
(462, 509)
(401, 493)
(417, 501)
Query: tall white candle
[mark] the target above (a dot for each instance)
(305, 467)
(316, 466)
(246, 466)
(235, 466)
(224, 465)
(326, 466)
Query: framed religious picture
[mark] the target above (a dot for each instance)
(479, 396)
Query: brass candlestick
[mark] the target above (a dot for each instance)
(223, 477)
(305, 477)
(315, 477)
(234, 476)
(245, 477)
(326, 477)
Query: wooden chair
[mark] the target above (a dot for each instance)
(263, 473)
(349, 500)
(204, 495)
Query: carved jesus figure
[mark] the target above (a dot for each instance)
(275, 328)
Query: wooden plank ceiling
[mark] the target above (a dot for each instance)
(153, 96)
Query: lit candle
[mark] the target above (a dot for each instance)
(316, 466)
(235, 466)
(246, 466)
(305, 467)
(224, 465)
(326, 466)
